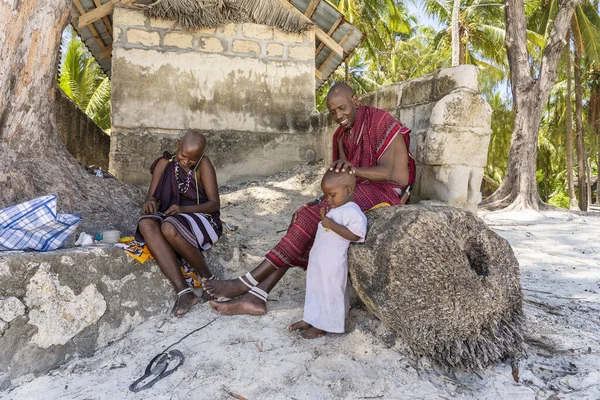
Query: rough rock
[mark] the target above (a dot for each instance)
(11, 308)
(81, 300)
(56, 311)
(447, 284)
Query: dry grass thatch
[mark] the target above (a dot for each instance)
(213, 13)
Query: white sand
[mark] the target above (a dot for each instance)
(255, 357)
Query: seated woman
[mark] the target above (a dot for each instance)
(181, 215)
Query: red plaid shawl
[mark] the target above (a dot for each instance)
(372, 133)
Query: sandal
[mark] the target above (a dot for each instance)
(163, 365)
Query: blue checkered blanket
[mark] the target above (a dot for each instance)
(35, 225)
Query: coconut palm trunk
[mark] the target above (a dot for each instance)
(594, 120)
(569, 125)
(519, 188)
(581, 151)
(34, 161)
(455, 34)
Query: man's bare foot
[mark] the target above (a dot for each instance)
(229, 288)
(184, 303)
(205, 296)
(299, 326)
(312, 333)
(244, 305)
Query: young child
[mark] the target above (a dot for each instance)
(326, 303)
(181, 215)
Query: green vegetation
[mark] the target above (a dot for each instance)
(397, 49)
(84, 82)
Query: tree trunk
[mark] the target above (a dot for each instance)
(34, 161)
(594, 119)
(347, 72)
(588, 183)
(455, 34)
(519, 189)
(569, 122)
(581, 152)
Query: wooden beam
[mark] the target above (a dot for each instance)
(329, 42)
(318, 74)
(312, 6)
(332, 53)
(331, 30)
(106, 52)
(105, 20)
(99, 12)
(92, 29)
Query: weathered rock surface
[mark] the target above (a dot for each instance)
(72, 302)
(444, 281)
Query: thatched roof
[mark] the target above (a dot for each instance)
(214, 13)
(336, 38)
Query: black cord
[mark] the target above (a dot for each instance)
(194, 331)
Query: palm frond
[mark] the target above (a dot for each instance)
(588, 23)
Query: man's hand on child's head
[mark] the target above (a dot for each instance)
(342, 166)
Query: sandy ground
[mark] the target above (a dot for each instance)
(256, 358)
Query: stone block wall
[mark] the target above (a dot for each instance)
(249, 88)
(83, 138)
(451, 128)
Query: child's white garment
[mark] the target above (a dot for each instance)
(326, 304)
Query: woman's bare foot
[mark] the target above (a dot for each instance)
(229, 288)
(184, 303)
(299, 326)
(244, 305)
(312, 333)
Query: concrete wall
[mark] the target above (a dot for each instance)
(249, 88)
(451, 128)
(84, 139)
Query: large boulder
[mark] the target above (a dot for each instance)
(71, 302)
(447, 284)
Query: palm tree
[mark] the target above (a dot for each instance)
(382, 22)
(569, 156)
(480, 31)
(84, 82)
(455, 27)
(585, 34)
(594, 118)
(409, 58)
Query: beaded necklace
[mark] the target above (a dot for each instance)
(183, 186)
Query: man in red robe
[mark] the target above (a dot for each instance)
(369, 143)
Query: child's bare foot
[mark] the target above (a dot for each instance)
(244, 305)
(184, 303)
(312, 333)
(299, 326)
(229, 288)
